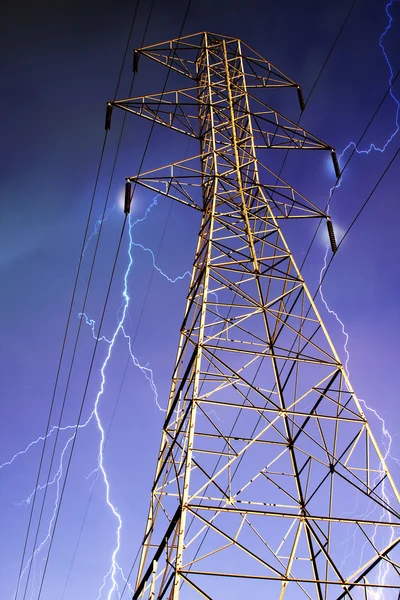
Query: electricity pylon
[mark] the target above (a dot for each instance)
(269, 482)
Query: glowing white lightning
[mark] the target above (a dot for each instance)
(148, 373)
(96, 227)
(94, 416)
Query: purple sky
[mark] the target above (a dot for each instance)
(62, 62)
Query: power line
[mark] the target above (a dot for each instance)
(324, 64)
(329, 54)
(116, 404)
(126, 367)
(59, 371)
(95, 348)
(101, 321)
(64, 342)
(82, 403)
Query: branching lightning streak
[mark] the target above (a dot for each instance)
(96, 227)
(37, 575)
(396, 100)
(383, 566)
(178, 278)
(56, 479)
(94, 416)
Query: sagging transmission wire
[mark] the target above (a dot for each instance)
(97, 339)
(98, 335)
(85, 237)
(324, 64)
(101, 323)
(121, 385)
(64, 341)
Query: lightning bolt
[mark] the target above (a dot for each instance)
(96, 227)
(395, 99)
(171, 280)
(383, 567)
(115, 571)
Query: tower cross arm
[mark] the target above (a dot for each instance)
(182, 181)
(176, 109)
(182, 55)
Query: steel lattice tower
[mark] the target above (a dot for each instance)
(269, 482)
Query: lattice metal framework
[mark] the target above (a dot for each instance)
(269, 482)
